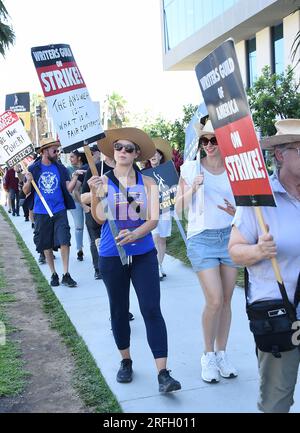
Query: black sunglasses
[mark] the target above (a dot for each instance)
(129, 148)
(204, 141)
(54, 150)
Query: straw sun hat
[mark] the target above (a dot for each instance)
(135, 135)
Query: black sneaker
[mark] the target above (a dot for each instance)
(166, 382)
(97, 275)
(67, 280)
(125, 371)
(80, 255)
(54, 280)
(42, 259)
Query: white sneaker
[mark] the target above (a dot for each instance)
(210, 371)
(225, 367)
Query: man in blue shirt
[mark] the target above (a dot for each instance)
(55, 185)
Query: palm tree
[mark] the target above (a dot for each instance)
(116, 111)
(7, 35)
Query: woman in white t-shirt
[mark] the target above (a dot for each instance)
(204, 191)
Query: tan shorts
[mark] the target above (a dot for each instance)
(278, 377)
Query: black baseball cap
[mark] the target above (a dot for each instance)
(95, 148)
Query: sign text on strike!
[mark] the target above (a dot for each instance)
(245, 166)
(61, 79)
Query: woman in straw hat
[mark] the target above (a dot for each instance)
(248, 247)
(202, 190)
(133, 201)
(164, 228)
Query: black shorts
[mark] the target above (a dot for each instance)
(51, 233)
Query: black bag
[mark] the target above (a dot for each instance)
(271, 326)
(271, 322)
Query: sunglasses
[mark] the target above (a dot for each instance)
(54, 150)
(129, 148)
(294, 148)
(204, 141)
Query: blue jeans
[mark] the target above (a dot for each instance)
(78, 218)
(14, 197)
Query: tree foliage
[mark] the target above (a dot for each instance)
(7, 35)
(273, 97)
(115, 110)
(174, 132)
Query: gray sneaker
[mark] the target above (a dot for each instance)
(166, 382)
(125, 372)
(54, 280)
(67, 280)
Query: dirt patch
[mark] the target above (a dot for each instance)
(49, 387)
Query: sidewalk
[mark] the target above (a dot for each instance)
(182, 303)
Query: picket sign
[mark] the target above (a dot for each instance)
(223, 91)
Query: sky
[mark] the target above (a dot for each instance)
(117, 45)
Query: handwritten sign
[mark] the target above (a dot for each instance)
(75, 116)
(15, 145)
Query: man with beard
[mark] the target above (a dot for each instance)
(51, 233)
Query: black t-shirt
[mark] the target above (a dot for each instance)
(88, 175)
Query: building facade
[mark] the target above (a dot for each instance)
(263, 31)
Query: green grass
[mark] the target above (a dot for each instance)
(88, 380)
(176, 248)
(12, 373)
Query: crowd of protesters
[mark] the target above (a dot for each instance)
(120, 208)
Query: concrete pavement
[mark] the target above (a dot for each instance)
(182, 303)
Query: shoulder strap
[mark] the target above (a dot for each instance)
(111, 175)
(297, 292)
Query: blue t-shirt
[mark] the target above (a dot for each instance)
(50, 187)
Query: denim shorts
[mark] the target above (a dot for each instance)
(209, 249)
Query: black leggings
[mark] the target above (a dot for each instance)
(143, 272)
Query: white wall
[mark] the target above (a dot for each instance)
(241, 55)
(263, 49)
(291, 25)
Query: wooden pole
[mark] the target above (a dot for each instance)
(263, 227)
(90, 159)
(38, 192)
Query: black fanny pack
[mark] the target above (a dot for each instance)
(271, 322)
(271, 326)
